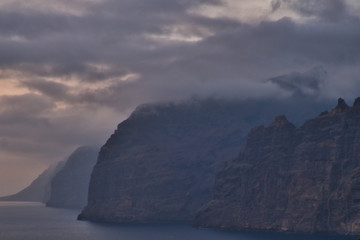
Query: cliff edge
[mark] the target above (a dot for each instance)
(160, 163)
(304, 179)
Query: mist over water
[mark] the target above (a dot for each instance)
(33, 221)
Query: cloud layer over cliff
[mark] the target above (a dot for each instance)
(71, 70)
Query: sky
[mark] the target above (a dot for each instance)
(70, 71)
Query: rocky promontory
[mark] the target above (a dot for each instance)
(304, 179)
(160, 163)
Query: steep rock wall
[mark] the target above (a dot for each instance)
(303, 179)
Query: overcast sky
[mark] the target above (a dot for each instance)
(70, 71)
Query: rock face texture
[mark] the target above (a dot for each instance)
(160, 163)
(69, 187)
(304, 179)
(39, 189)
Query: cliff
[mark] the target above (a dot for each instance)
(69, 187)
(39, 189)
(160, 163)
(304, 179)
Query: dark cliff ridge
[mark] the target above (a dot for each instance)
(160, 163)
(304, 179)
(69, 187)
(39, 190)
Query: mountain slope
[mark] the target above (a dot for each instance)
(302, 179)
(160, 163)
(39, 189)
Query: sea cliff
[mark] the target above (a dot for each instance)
(160, 163)
(304, 179)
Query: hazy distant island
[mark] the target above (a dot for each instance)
(69, 187)
(39, 190)
(64, 185)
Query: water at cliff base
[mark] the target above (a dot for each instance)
(34, 221)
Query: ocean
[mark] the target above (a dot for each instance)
(34, 221)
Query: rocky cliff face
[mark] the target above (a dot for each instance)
(69, 187)
(304, 179)
(160, 164)
(39, 190)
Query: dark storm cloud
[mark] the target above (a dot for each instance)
(118, 39)
(115, 33)
(284, 38)
(115, 38)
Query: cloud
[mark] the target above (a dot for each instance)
(331, 10)
(36, 133)
(77, 68)
(51, 89)
(275, 5)
(27, 104)
(307, 83)
(327, 9)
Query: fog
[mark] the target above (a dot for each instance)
(70, 71)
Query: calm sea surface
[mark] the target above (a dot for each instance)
(33, 221)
